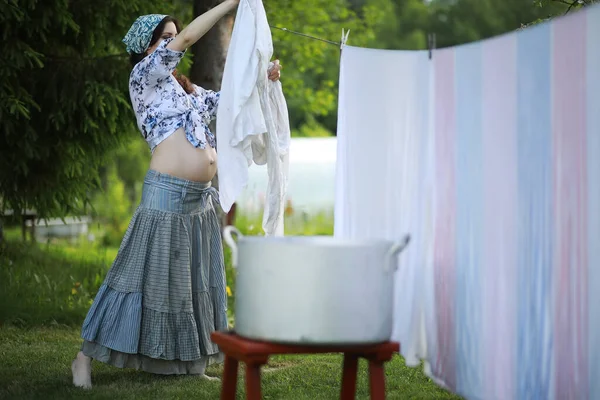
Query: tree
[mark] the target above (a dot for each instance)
(64, 102)
(558, 7)
(209, 55)
(210, 51)
(311, 67)
(569, 4)
(462, 21)
(398, 25)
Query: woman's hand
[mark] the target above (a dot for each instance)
(275, 71)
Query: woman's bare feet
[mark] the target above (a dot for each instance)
(81, 367)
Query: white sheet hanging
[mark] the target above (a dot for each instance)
(383, 149)
(252, 118)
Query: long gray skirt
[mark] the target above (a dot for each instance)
(165, 292)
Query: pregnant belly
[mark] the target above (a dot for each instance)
(177, 157)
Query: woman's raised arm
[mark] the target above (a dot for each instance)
(202, 24)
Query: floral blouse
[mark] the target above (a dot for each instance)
(162, 106)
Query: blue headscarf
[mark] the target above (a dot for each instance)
(138, 38)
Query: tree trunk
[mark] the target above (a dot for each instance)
(209, 60)
(210, 51)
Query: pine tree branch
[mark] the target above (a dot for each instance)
(571, 6)
(573, 3)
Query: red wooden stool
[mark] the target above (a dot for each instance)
(255, 354)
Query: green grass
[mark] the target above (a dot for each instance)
(295, 223)
(35, 364)
(47, 289)
(48, 284)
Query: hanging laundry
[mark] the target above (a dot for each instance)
(252, 118)
(593, 177)
(381, 171)
(499, 186)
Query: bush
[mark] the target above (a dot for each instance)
(113, 209)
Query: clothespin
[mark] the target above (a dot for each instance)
(344, 38)
(430, 43)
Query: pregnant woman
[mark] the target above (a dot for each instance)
(165, 292)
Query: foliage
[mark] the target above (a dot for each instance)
(311, 128)
(52, 285)
(570, 4)
(64, 100)
(401, 24)
(461, 21)
(311, 66)
(113, 209)
(131, 162)
(567, 5)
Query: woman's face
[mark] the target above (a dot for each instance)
(169, 32)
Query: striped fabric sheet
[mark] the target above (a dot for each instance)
(521, 318)
(511, 278)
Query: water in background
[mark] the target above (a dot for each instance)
(311, 186)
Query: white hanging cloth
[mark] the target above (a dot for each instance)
(252, 118)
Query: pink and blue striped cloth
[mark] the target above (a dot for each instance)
(503, 204)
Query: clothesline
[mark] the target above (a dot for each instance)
(431, 39)
(305, 35)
